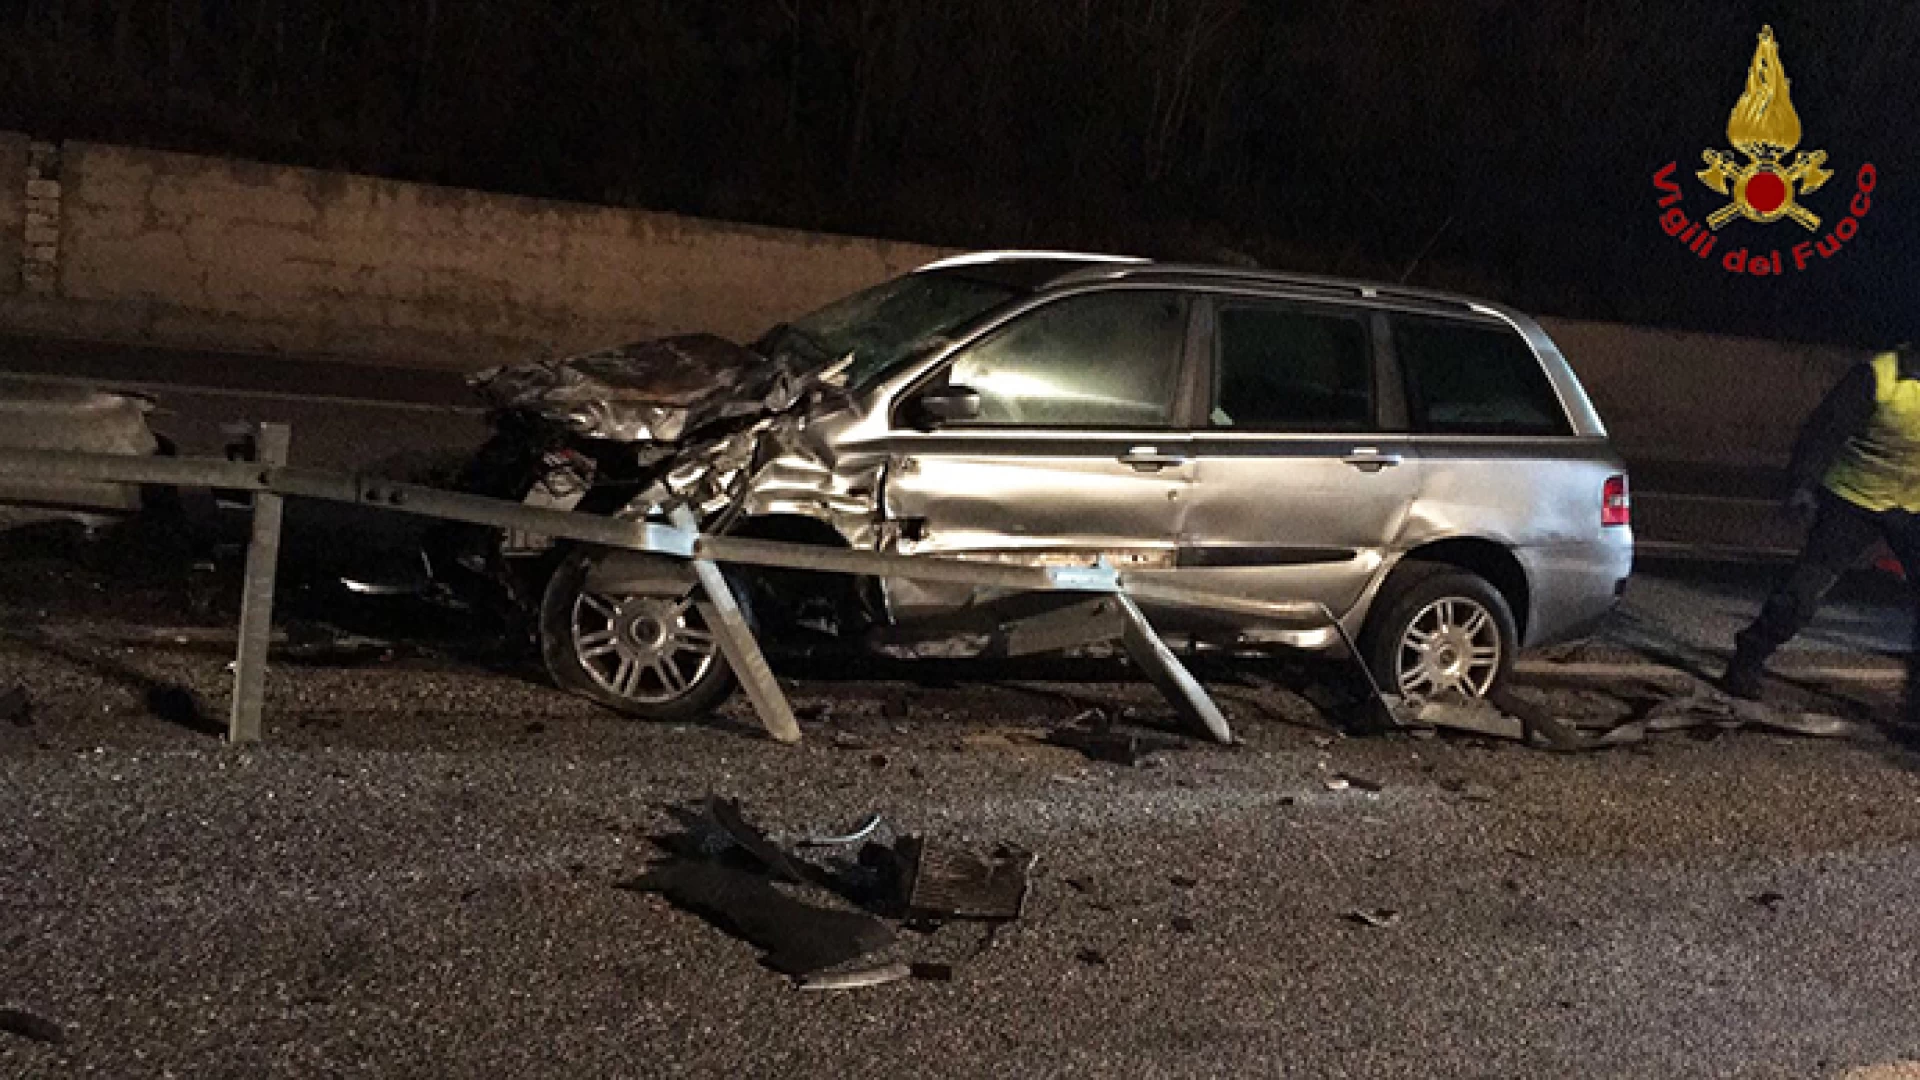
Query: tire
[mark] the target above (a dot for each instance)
(650, 657)
(1461, 614)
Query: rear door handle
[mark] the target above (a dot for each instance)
(1370, 459)
(1150, 459)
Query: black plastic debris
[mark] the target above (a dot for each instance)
(1091, 957)
(932, 972)
(1769, 900)
(1182, 925)
(1183, 881)
(726, 813)
(799, 938)
(30, 1026)
(16, 708)
(954, 884)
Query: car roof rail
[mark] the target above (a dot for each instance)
(982, 258)
(1368, 290)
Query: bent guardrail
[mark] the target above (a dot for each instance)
(271, 481)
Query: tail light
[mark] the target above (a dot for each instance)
(1616, 508)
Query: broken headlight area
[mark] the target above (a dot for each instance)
(658, 391)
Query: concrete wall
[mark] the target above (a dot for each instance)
(13, 208)
(308, 261)
(184, 250)
(1699, 397)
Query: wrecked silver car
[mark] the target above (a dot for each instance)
(1426, 466)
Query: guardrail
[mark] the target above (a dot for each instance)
(1112, 610)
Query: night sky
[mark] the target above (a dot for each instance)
(1502, 148)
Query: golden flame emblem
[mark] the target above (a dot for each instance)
(1765, 128)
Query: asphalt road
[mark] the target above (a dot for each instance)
(425, 870)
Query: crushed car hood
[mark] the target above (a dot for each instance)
(649, 391)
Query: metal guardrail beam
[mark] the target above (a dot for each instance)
(270, 480)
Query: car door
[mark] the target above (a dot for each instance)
(1076, 451)
(1304, 473)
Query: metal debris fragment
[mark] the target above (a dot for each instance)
(855, 980)
(1361, 783)
(860, 832)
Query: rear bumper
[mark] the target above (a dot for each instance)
(1574, 587)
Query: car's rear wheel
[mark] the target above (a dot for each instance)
(1439, 631)
(649, 655)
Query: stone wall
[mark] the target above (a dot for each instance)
(194, 249)
(13, 210)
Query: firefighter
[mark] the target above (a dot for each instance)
(1856, 474)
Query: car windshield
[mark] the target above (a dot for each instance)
(885, 325)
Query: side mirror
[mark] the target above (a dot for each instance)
(945, 405)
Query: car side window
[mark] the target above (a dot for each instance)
(1284, 368)
(1105, 359)
(1467, 379)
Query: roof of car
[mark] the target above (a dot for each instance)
(1035, 270)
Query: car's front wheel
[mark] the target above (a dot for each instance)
(1439, 631)
(648, 655)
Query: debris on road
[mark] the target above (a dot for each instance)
(1181, 924)
(16, 708)
(855, 980)
(860, 832)
(1379, 918)
(1769, 900)
(952, 884)
(1361, 783)
(31, 1026)
(726, 813)
(1183, 881)
(799, 938)
(733, 874)
(1091, 957)
(1507, 716)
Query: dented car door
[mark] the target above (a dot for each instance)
(1075, 451)
(1306, 472)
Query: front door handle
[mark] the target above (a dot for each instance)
(1150, 459)
(1370, 459)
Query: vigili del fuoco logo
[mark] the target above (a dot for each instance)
(1765, 188)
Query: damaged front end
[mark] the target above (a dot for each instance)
(639, 431)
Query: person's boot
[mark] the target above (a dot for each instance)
(1744, 677)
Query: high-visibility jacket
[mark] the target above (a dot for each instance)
(1879, 467)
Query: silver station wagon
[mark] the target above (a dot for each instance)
(1424, 465)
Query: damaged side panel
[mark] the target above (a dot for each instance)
(1019, 498)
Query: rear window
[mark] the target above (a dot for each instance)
(1279, 368)
(1474, 380)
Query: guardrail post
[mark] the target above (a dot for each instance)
(256, 597)
(737, 643)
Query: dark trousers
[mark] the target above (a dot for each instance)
(1842, 533)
